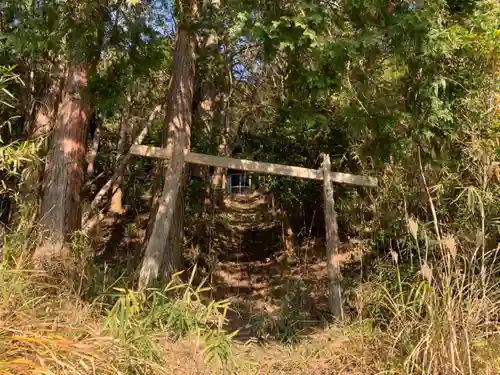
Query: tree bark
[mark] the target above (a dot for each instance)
(173, 262)
(60, 213)
(117, 193)
(46, 109)
(219, 177)
(332, 243)
(39, 125)
(209, 93)
(178, 125)
(92, 154)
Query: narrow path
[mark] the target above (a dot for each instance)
(246, 259)
(261, 288)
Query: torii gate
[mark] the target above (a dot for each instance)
(322, 174)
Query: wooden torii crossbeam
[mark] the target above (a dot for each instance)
(256, 166)
(323, 174)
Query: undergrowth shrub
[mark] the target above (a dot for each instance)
(178, 310)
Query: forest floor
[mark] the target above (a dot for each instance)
(256, 274)
(277, 303)
(278, 300)
(93, 321)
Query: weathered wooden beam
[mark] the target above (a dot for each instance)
(257, 166)
(332, 243)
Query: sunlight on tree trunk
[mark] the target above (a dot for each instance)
(117, 193)
(173, 262)
(178, 125)
(60, 213)
(46, 109)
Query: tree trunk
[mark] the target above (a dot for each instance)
(219, 179)
(178, 125)
(117, 193)
(96, 137)
(209, 93)
(40, 126)
(60, 213)
(46, 109)
(176, 233)
(173, 262)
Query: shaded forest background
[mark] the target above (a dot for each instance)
(403, 91)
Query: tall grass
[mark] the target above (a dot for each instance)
(46, 327)
(443, 318)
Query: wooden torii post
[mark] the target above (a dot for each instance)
(323, 174)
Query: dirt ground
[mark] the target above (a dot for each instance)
(266, 288)
(279, 304)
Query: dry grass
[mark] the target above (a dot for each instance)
(442, 315)
(45, 328)
(49, 330)
(353, 350)
(435, 316)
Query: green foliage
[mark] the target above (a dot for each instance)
(178, 309)
(7, 75)
(8, 101)
(404, 95)
(13, 158)
(372, 89)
